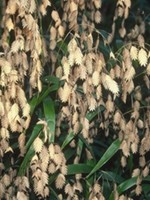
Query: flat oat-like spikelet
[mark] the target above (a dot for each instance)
(6, 67)
(78, 56)
(22, 195)
(64, 92)
(66, 66)
(110, 84)
(95, 78)
(13, 112)
(37, 145)
(134, 53)
(46, 3)
(129, 74)
(55, 15)
(142, 57)
(26, 110)
(32, 6)
(51, 150)
(60, 181)
(72, 45)
(2, 111)
(9, 24)
(148, 69)
(97, 3)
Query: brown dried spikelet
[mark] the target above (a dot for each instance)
(136, 172)
(96, 188)
(53, 33)
(138, 190)
(78, 56)
(55, 15)
(145, 171)
(51, 150)
(95, 78)
(52, 168)
(2, 111)
(9, 24)
(60, 181)
(142, 161)
(6, 179)
(4, 133)
(58, 159)
(46, 3)
(64, 169)
(134, 147)
(97, 17)
(21, 142)
(73, 7)
(125, 148)
(129, 74)
(69, 189)
(37, 145)
(22, 195)
(148, 69)
(64, 92)
(13, 112)
(66, 66)
(26, 110)
(142, 57)
(110, 84)
(92, 104)
(134, 53)
(117, 117)
(61, 31)
(11, 7)
(97, 3)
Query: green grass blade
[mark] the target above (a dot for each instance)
(68, 139)
(79, 168)
(90, 115)
(114, 147)
(124, 186)
(49, 112)
(25, 163)
(34, 134)
(37, 99)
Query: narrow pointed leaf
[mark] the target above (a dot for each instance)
(49, 112)
(37, 99)
(114, 147)
(68, 139)
(79, 168)
(90, 115)
(34, 134)
(25, 163)
(124, 186)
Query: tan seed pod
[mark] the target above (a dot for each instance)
(53, 33)
(134, 53)
(73, 7)
(37, 145)
(61, 31)
(136, 172)
(145, 171)
(60, 181)
(95, 78)
(97, 17)
(55, 15)
(97, 4)
(142, 57)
